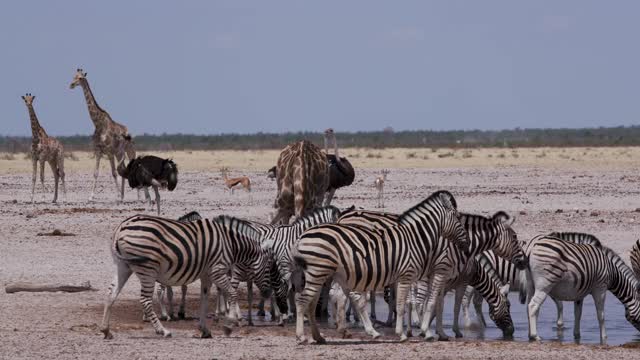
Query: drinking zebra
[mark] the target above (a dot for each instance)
(568, 272)
(363, 259)
(175, 253)
(485, 233)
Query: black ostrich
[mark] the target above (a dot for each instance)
(151, 171)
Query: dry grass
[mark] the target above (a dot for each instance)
(366, 158)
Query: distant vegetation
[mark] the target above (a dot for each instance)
(614, 136)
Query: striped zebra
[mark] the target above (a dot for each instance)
(189, 217)
(284, 237)
(175, 253)
(569, 272)
(634, 257)
(485, 233)
(513, 278)
(363, 259)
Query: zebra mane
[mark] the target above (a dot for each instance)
(578, 238)
(626, 271)
(192, 216)
(242, 227)
(328, 212)
(419, 207)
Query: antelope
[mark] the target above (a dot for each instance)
(379, 183)
(232, 182)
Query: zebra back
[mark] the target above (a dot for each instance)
(634, 257)
(239, 226)
(577, 238)
(189, 217)
(379, 220)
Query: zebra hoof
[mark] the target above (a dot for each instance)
(227, 330)
(302, 340)
(345, 334)
(204, 334)
(181, 316)
(166, 333)
(535, 338)
(458, 335)
(260, 313)
(403, 338)
(443, 338)
(107, 334)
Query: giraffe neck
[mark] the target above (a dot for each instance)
(37, 131)
(95, 112)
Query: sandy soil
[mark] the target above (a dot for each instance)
(597, 193)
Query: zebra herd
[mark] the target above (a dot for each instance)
(416, 256)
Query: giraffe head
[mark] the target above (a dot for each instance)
(77, 78)
(28, 98)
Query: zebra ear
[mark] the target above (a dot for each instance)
(504, 218)
(448, 200)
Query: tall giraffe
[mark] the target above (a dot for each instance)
(302, 179)
(44, 148)
(107, 136)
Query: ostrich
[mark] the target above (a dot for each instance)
(341, 171)
(149, 170)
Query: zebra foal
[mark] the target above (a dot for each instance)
(175, 253)
(363, 259)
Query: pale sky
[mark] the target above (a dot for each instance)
(208, 67)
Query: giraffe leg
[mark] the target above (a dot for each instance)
(61, 174)
(96, 172)
(44, 190)
(34, 161)
(114, 174)
(56, 178)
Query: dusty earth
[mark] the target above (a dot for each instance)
(599, 196)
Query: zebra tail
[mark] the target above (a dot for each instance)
(526, 284)
(297, 279)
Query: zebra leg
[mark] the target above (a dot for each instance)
(577, 314)
(303, 302)
(477, 305)
(598, 299)
(466, 301)
(401, 297)
(205, 287)
(122, 275)
(147, 284)
(183, 301)
(311, 314)
(223, 281)
(460, 291)
(534, 308)
(442, 336)
(372, 304)
(163, 310)
(560, 320)
(170, 303)
(250, 300)
(261, 308)
(437, 283)
(337, 303)
(359, 302)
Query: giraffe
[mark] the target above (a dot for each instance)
(44, 148)
(107, 136)
(302, 179)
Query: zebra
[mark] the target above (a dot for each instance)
(485, 233)
(634, 257)
(189, 217)
(363, 259)
(570, 271)
(284, 237)
(175, 253)
(513, 278)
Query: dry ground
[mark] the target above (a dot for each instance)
(593, 190)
